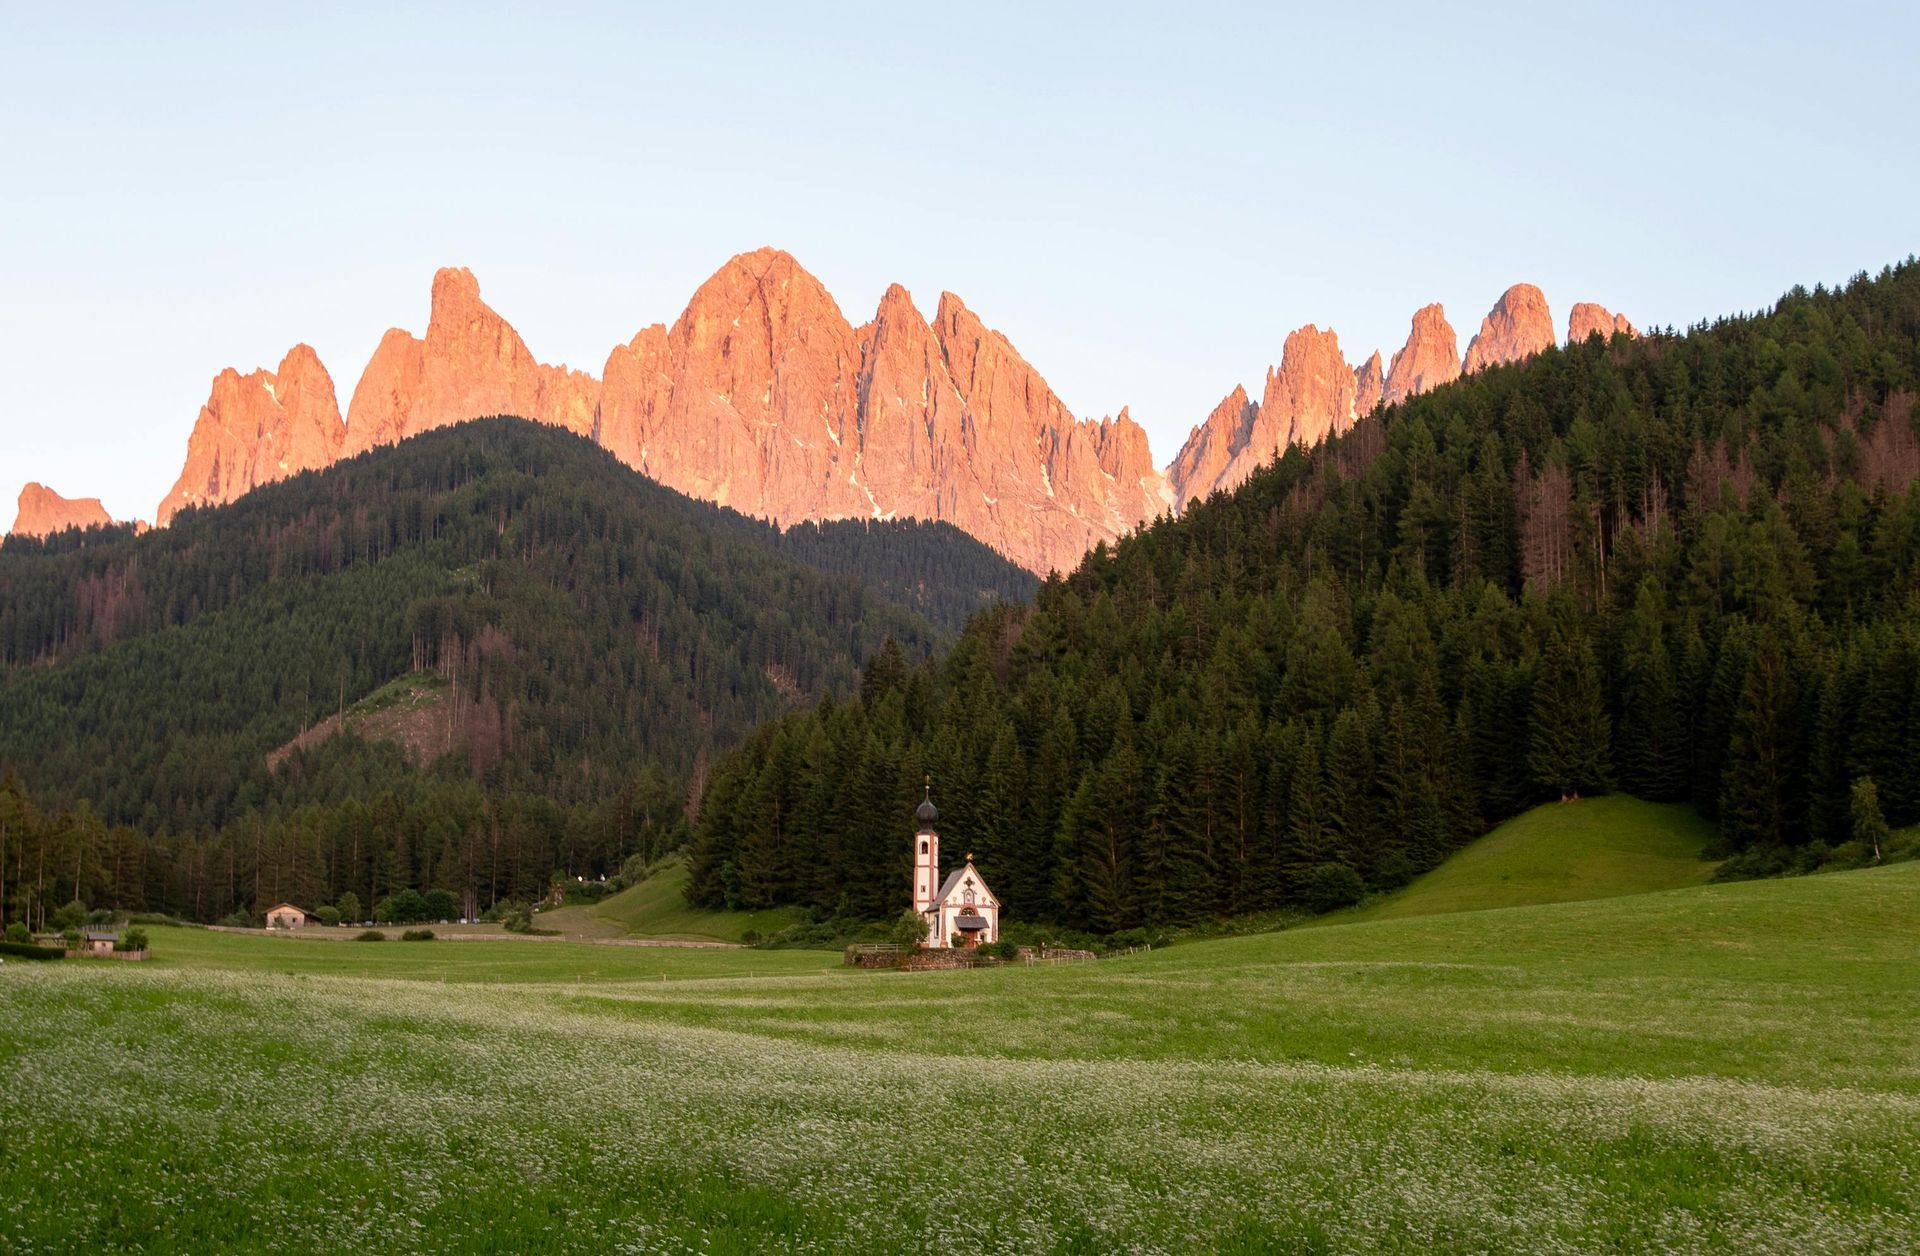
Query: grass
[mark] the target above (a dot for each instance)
(657, 908)
(403, 688)
(489, 961)
(1562, 853)
(1727, 1067)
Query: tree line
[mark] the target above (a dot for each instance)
(444, 837)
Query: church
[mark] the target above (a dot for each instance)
(962, 911)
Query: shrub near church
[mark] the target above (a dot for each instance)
(412, 907)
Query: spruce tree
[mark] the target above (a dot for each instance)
(1001, 838)
(1378, 851)
(1759, 793)
(1310, 837)
(1176, 881)
(1567, 734)
(1649, 748)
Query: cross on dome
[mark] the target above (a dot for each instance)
(927, 813)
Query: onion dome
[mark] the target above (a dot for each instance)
(927, 813)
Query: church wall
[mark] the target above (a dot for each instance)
(952, 912)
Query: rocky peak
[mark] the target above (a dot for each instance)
(1141, 492)
(914, 446)
(763, 397)
(635, 386)
(762, 365)
(1313, 390)
(1051, 485)
(1430, 357)
(258, 428)
(1310, 395)
(1369, 385)
(1588, 319)
(1211, 446)
(1518, 326)
(456, 298)
(43, 512)
(471, 364)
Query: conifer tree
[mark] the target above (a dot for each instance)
(1760, 786)
(1649, 745)
(1883, 740)
(1829, 785)
(998, 839)
(1378, 850)
(1103, 838)
(1176, 873)
(1568, 737)
(1310, 838)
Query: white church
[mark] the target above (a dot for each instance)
(962, 912)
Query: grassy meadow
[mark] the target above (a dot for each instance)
(657, 908)
(1562, 853)
(1725, 1067)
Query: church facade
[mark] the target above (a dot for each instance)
(960, 911)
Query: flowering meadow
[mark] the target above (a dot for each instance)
(1721, 1068)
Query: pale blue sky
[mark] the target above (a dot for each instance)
(1146, 201)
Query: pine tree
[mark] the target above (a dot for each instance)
(1829, 786)
(1104, 840)
(1310, 838)
(1759, 793)
(1649, 747)
(1176, 875)
(1567, 734)
(999, 840)
(1883, 740)
(1237, 802)
(1377, 850)
(885, 672)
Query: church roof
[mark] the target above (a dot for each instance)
(953, 879)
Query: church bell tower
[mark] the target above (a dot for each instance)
(926, 853)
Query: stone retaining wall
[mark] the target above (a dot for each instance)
(881, 955)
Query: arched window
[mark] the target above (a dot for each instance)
(923, 846)
(969, 896)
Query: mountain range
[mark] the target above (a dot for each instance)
(764, 397)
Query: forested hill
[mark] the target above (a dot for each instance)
(566, 621)
(1682, 566)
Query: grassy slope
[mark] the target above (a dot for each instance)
(657, 908)
(1562, 853)
(1726, 1066)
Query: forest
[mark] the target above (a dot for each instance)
(587, 641)
(1682, 566)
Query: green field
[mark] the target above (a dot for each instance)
(1562, 853)
(657, 908)
(466, 961)
(1725, 1067)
